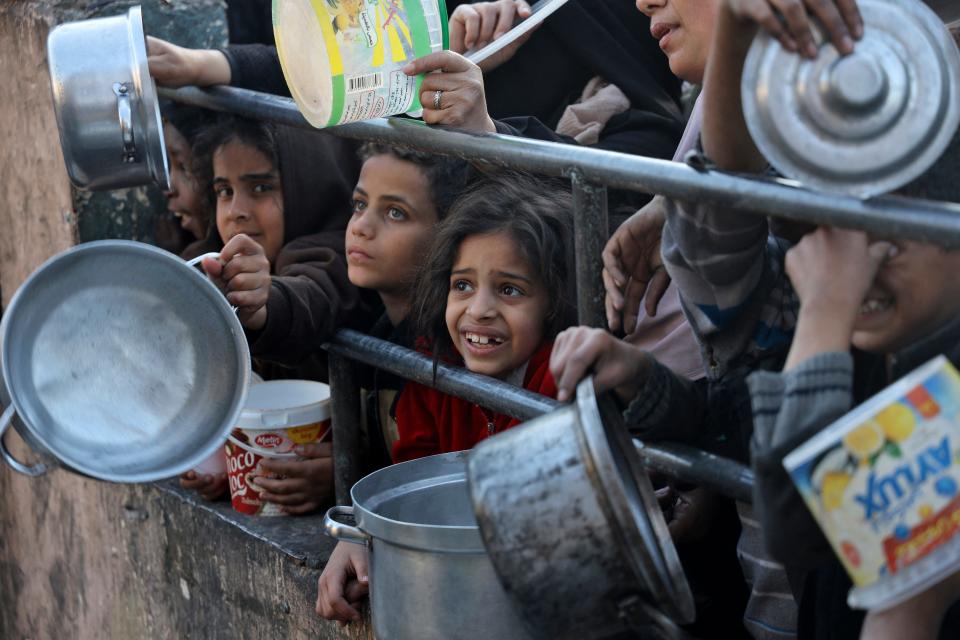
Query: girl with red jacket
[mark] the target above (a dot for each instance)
(492, 295)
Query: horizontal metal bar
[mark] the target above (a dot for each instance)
(681, 462)
(924, 220)
(673, 460)
(493, 394)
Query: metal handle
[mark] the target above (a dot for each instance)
(33, 471)
(199, 259)
(125, 115)
(340, 531)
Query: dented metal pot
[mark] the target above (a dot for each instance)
(571, 523)
(106, 104)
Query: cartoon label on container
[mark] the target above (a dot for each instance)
(342, 59)
(883, 480)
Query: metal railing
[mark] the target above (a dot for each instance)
(590, 172)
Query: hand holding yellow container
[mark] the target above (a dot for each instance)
(343, 59)
(883, 483)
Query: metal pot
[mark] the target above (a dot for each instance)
(573, 528)
(862, 124)
(121, 362)
(430, 577)
(106, 104)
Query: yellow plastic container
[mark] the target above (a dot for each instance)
(883, 483)
(342, 59)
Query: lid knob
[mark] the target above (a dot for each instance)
(855, 82)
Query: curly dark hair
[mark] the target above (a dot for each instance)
(447, 176)
(262, 136)
(536, 213)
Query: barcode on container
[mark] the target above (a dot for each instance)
(365, 82)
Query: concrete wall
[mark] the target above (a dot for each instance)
(84, 559)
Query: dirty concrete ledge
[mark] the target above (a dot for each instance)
(93, 560)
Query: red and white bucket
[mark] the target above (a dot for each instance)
(277, 416)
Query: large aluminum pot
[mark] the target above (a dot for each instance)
(121, 362)
(430, 577)
(573, 528)
(106, 104)
(862, 124)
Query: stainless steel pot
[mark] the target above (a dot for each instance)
(430, 577)
(862, 124)
(121, 362)
(106, 104)
(573, 528)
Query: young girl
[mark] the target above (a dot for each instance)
(492, 295)
(282, 200)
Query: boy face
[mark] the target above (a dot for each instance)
(684, 30)
(249, 196)
(914, 293)
(184, 199)
(393, 220)
(497, 305)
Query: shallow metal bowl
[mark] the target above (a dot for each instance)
(123, 362)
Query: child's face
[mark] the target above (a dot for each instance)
(684, 29)
(393, 220)
(497, 305)
(184, 199)
(914, 293)
(249, 196)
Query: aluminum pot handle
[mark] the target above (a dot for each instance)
(125, 115)
(195, 261)
(340, 531)
(33, 471)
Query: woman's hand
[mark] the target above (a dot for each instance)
(632, 267)
(344, 583)
(474, 26)
(789, 21)
(462, 102)
(615, 364)
(174, 66)
(210, 487)
(243, 274)
(306, 484)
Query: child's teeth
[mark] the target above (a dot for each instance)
(873, 305)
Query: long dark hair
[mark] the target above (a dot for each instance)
(535, 213)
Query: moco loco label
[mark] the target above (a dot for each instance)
(883, 481)
(244, 496)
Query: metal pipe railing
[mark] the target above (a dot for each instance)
(672, 460)
(923, 220)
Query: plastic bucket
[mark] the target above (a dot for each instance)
(342, 59)
(216, 463)
(883, 483)
(277, 416)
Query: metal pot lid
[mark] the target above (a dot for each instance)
(862, 124)
(123, 362)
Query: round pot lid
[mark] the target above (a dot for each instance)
(861, 124)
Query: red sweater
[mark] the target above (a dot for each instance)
(431, 422)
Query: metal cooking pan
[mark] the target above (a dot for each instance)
(122, 362)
